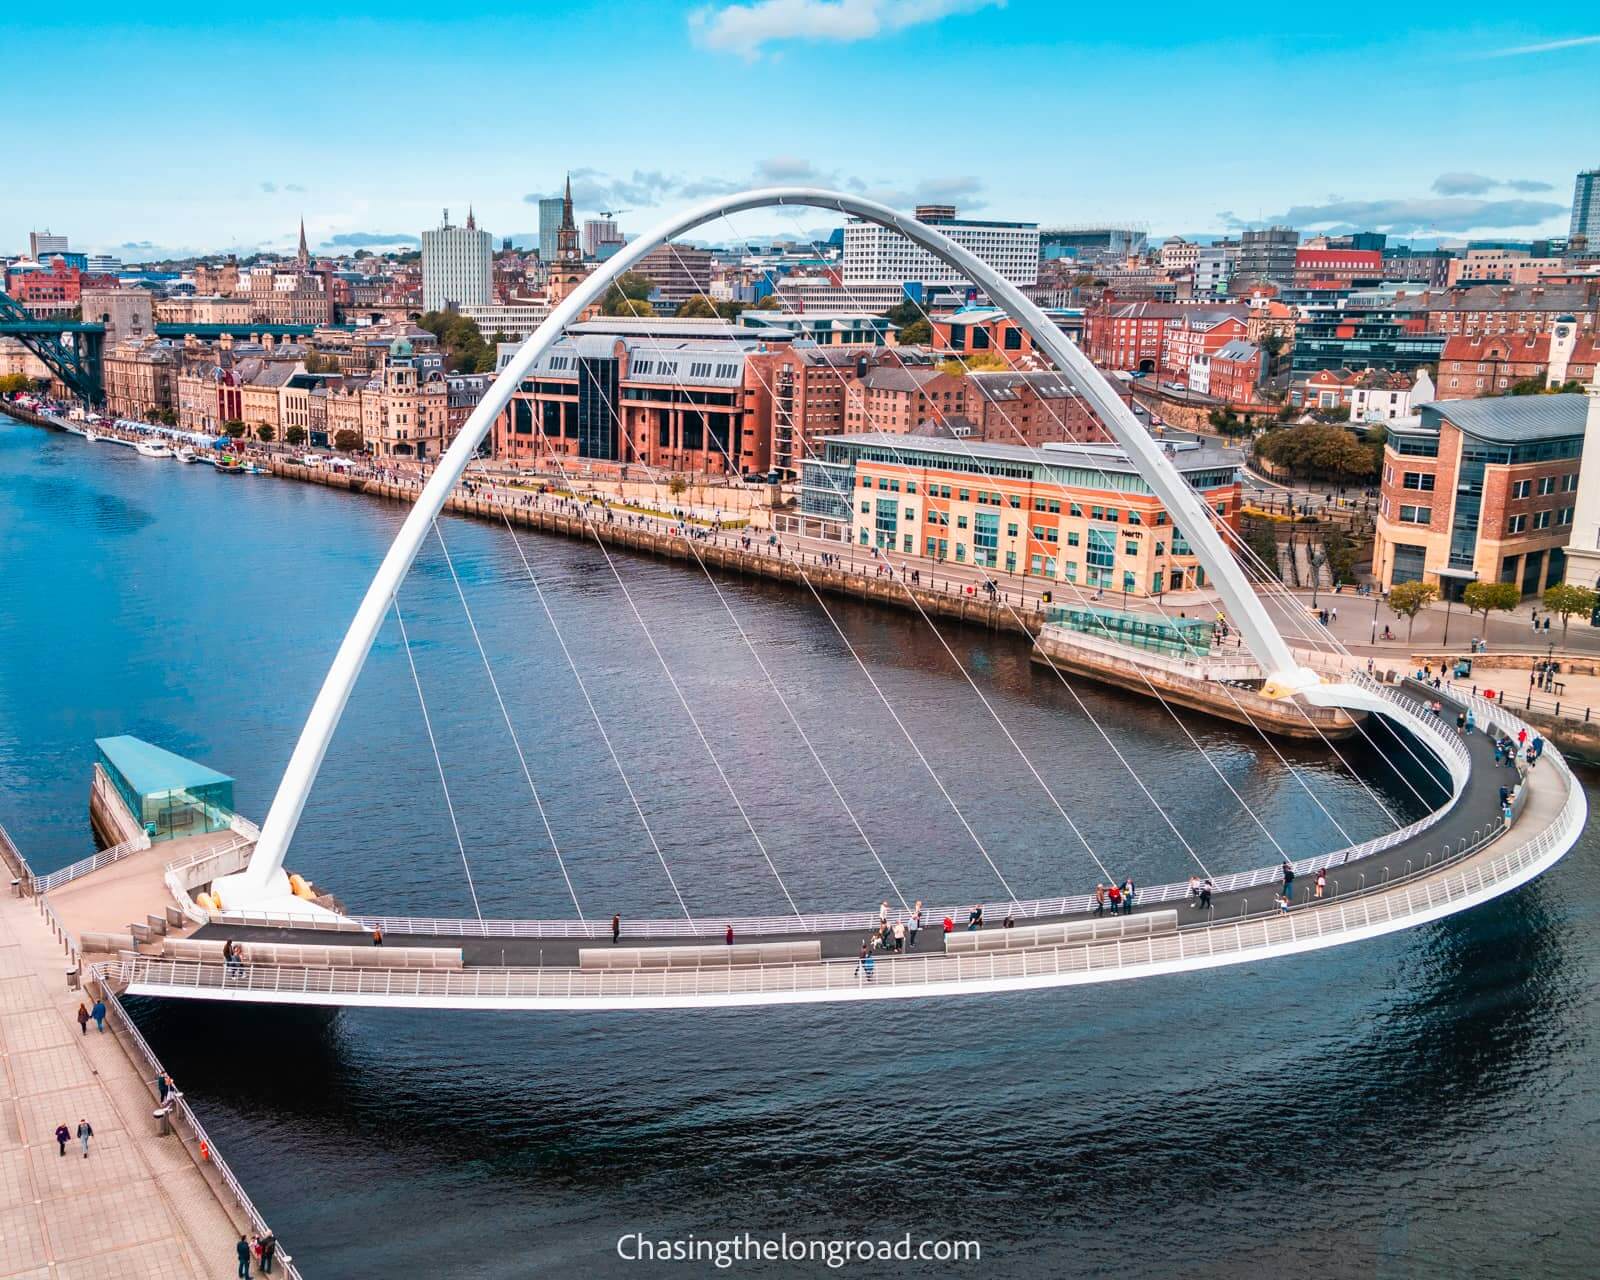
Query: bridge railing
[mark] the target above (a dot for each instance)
(1473, 875)
(865, 921)
(187, 1123)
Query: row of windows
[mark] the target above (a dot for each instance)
(1545, 485)
(1539, 520)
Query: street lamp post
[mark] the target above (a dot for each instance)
(1376, 601)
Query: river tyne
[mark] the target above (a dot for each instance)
(1421, 1105)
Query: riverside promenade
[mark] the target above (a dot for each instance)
(141, 1204)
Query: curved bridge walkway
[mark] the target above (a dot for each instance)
(1440, 865)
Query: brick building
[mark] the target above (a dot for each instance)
(1480, 489)
(1068, 513)
(1491, 365)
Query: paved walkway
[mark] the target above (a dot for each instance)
(138, 1206)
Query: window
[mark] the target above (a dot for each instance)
(1134, 517)
(1418, 480)
(1129, 582)
(1517, 524)
(1569, 482)
(1072, 537)
(1011, 531)
(961, 522)
(1102, 548)
(1547, 485)
(1130, 548)
(1035, 564)
(1073, 509)
(1542, 519)
(964, 494)
(1564, 516)
(1521, 488)
(1416, 515)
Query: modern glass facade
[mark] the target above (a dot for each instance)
(597, 409)
(1181, 637)
(168, 795)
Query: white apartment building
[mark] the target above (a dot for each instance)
(517, 319)
(457, 266)
(874, 255)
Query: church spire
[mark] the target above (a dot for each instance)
(472, 223)
(567, 233)
(304, 254)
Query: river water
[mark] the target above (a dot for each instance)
(1419, 1105)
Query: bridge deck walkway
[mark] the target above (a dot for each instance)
(1474, 815)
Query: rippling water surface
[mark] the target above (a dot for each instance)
(1420, 1105)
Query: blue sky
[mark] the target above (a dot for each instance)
(208, 127)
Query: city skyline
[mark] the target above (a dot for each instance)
(1354, 128)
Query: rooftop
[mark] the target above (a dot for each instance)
(1105, 457)
(1511, 419)
(150, 769)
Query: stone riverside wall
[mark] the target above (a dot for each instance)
(760, 561)
(1227, 702)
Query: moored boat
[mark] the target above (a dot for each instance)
(152, 449)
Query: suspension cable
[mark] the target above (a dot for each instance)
(756, 654)
(506, 716)
(684, 702)
(599, 724)
(438, 763)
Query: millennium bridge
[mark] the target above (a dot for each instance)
(155, 923)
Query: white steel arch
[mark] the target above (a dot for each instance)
(264, 877)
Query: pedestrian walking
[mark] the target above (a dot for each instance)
(1127, 896)
(1099, 899)
(85, 1132)
(83, 1018)
(269, 1250)
(1288, 879)
(63, 1136)
(883, 914)
(242, 1251)
(899, 935)
(728, 936)
(99, 1012)
(866, 964)
(1538, 746)
(616, 928)
(1322, 881)
(916, 923)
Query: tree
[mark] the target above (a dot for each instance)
(264, 433)
(1408, 599)
(984, 362)
(1317, 450)
(346, 440)
(167, 418)
(1485, 597)
(234, 428)
(698, 307)
(462, 341)
(629, 295)
(769, 303)
(1564, 600)
(295, 436)
(677, 485)
(13, 383)
(919, 333)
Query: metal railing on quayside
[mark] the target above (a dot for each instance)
(183, 1113)
(15, 863)
(82, 867)
(1381, 904)
(712, 927)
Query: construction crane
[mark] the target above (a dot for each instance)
(612, 213)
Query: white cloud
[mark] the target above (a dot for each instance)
(1549, 46)
(745, 29)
